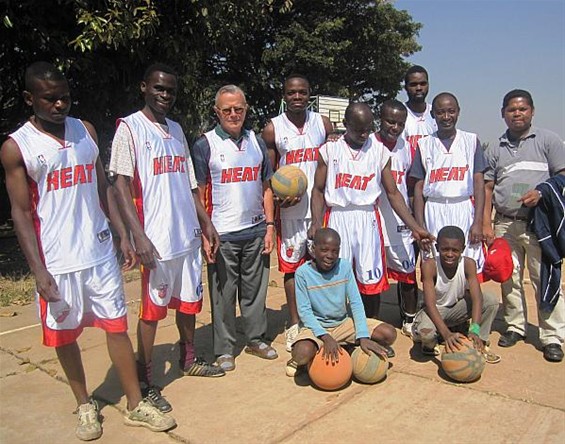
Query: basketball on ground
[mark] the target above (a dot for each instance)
(464, 365)
(368, 369)
(289, 181)
(330, 376)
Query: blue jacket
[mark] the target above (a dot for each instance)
(547, 221)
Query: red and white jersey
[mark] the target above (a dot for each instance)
(418, 125)
(395, 232)
(161, 186)
(71, 228)
(235, 188)
(299, 148)
(449, 173)
(353, 176)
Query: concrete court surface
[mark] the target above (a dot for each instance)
(519, 400)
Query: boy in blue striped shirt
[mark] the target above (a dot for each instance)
(330, 308)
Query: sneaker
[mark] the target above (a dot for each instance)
(202, 368)
(431, 351)
(490, 357)
(147, 415)
(407, 329)
(153, 395)
(292, 368)
(88, 427)
(290, 336)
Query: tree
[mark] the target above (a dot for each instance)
(350, 48)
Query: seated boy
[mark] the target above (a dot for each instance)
(452, 295)
(330, 307)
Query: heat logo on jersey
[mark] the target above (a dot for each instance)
(398, 176)
(302, 155)
(413, 141)
(70, 176)
(240, 174)
(345, 180)
(446, 174)
(169, 164)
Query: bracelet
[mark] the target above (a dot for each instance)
(474, 328)
(270, 224)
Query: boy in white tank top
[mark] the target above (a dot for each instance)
(56, 185)
(157, 192)
(350, 176)
(452, 296)
(293, 138)
(448, 168)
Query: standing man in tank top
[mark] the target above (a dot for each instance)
(158, 196)
(293, 138)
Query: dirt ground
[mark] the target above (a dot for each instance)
(521, 399)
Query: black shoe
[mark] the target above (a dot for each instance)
(553, 353)
(153, 395)
(509, 339)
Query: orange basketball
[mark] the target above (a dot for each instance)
(289, 181)
(464, 365)
(368, 369)
(330, 376)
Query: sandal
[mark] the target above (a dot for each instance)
(262, 350)
(226, 363)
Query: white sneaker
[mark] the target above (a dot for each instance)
(407, 329)
(290, 335)
(88, 427)
(149, 416)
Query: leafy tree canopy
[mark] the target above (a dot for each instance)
(348, 48)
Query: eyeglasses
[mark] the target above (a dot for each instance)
(227, 111)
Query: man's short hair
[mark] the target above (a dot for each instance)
(415, 69)
(41, 71)
(448, 94)
(326, 233)
(393, 104)
(296, 75)
(158, 67)
(451, 232)
(517, 93)
(229, 89)
(354, 108)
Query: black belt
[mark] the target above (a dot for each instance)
(520, 218)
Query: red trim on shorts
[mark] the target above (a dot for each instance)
(59, 338)
(147, 310)
(186, 307)
(399, 276)
(284, 266)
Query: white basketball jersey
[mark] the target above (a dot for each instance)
(299, 148)
(449, 173)
(161, 185)
(353, 176)
(418, 125)
(234, 194)
(395, 232)
(70, 226)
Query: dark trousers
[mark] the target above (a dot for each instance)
(240, 270)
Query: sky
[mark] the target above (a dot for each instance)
(481, 49)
